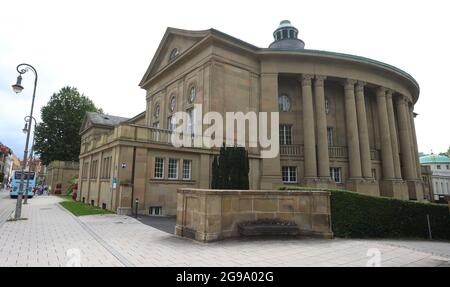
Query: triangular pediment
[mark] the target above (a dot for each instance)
(181, 40)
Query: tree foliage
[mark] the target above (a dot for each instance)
(57, 136)
(230, 169)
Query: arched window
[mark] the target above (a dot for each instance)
(173, 103)
(284, 103)
(156, 111)
(192, 93)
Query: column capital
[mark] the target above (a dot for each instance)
(360, 86)
(306, 79)
(381, 91)
(319, 80)
(349, 84)
(389, 93)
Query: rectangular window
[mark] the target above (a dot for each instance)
(94, 170)
(335, 174)
(438, 167)
(330, 136)
(170, 123)
(84, 173)
(173, 169)
(289, 174)
(159, 167)
(285, 134)
(155, 210)
(191, 121)
(187, 169)
(106, 168)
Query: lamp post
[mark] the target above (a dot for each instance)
(25, 130)
(22, 69)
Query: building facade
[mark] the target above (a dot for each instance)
(439, 167)
(345, 121)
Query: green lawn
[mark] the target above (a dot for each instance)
(80, 209)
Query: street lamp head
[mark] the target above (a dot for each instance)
(25, 128)
(18, 86)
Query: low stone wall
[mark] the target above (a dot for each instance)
(208, 215)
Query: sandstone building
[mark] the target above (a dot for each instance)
(345, 121)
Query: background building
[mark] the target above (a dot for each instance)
(59, 174)
(5, 164)
(345, 121)
(440, 175)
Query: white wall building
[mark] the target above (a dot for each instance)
(440, 168)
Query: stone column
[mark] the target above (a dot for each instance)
(366, 161)
(404, 137)
(270, 167)
(393, 133)
(321, 118)
(414, 141)
(351, 123)
(309, 137)
(386, 144)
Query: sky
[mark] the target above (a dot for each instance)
(104, 48)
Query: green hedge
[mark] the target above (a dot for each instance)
(355, 215)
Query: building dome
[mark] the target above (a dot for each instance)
(286, 37)
(434, 159)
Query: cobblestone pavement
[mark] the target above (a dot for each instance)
(113, 240)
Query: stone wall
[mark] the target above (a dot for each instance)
(208, 215)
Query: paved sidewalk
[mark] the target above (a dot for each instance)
(49, 237)
(113, 240)
(146, 246)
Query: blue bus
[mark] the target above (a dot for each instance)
(15, 183)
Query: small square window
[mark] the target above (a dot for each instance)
(335, 174)
(289, 174)
(155, 210)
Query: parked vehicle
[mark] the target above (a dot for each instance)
(16, 180)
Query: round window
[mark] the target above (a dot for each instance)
(284, 103)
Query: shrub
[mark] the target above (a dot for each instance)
(73, 183)
(355, 215)
(230, 169)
